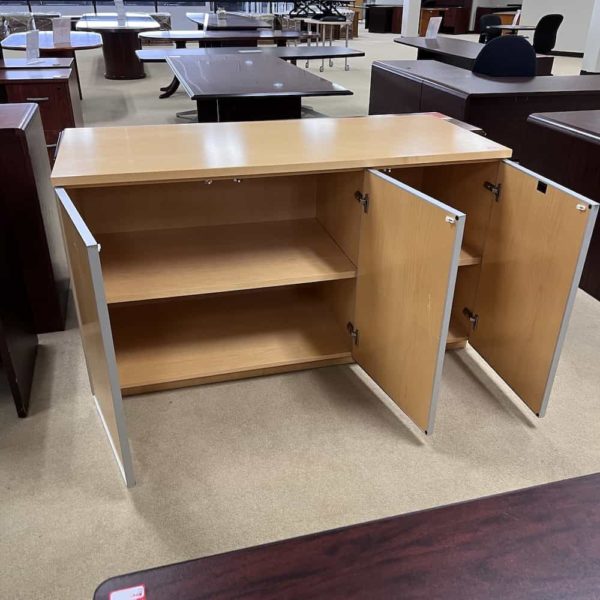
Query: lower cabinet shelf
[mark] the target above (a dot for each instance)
(182, 342)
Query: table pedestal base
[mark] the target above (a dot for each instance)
(120, 60)
(249, 109)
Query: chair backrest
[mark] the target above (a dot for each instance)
(485, 23)
(544, 38)
(506, 56)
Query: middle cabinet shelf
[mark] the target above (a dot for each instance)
(169, 263)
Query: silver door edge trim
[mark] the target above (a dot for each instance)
(420, 194)
(110, 440)
(564, 325)
(78, 222)
(437, 379)
(111, 362)
(558, 186)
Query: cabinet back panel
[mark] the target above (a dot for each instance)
(338, 210)
(190, 204)
(340, 296)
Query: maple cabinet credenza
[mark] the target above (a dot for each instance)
(209, 252)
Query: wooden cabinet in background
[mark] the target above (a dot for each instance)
(378, 240)
(53, 90)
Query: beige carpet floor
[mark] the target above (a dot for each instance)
(230, 465)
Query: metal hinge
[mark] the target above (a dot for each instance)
(472, 317)
(353, 332)
(495, 189)
(363, 200)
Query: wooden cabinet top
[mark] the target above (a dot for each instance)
(155, 153)
(34, 75)
(583, 124)
(16, 116)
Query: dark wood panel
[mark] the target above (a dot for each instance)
(391, 94)
(543, 543)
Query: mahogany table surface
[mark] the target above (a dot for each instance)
(80, 40)
(49, 62)
(231, 22)
(584, 124)
(285, 52)
(513, 27)
(110, 22)
(540, 543)
(216, 36)
(244, 75)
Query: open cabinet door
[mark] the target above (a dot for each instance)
(94, 326)
(535, 249)
(407, 266)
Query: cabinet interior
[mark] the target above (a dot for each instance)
(216, 280)
(461, 187)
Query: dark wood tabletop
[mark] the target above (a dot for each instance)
(513, 27)
(468, 83)
(241, 75)
(582, 124)
(40, 63)
(216, 36)
(110, 22)
(539, 543)
(79, 40)
(285, 52)
(34, 75)
(231, 22)
(443, 45)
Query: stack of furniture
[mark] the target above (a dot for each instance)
(324, 242)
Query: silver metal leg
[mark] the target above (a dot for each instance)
(346, 65)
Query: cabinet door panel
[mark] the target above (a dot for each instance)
(536, 246)
(94, 326)
(408, 260)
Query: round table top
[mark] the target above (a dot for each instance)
(80, 40)
(110, 22)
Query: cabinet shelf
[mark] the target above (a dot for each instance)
(167, 263)
(183, 342)
(457, 336)
(468, 258)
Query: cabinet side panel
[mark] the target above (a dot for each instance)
(406, 274)
(94, 327)
(530, 271)
(338, 210)
(196, 203)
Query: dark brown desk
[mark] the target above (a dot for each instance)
(54, 90)
(500, 106)
(231, 22)
(79, 40)
(247, 88)
(566, 147)
(28, 207)
(120, 41)
(460, 53)
(542, 543)
(223, 38)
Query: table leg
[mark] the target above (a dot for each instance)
(331, 27)
(346, 65)
(323, 36)
(170, 89)
(120, 59)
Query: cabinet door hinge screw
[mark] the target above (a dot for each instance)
(473, 318)
(362, 199)
(353, 332)
(495, 189)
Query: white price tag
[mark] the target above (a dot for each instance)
(32, 45)
(120, 6)
(134, 593)
(61, 30)
(433, 27)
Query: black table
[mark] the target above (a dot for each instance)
(538, 543)
(247, 88)
(231, 22)
(500, 106)
(460, 53)
(565, 146)
(120, 41)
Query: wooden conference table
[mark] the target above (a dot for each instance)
(231, 22)
(79, 40)
(566, 147)
(120, 41)
(238, 87)
(223, 38)
(460, 53)
(499, 105)
(540, 542)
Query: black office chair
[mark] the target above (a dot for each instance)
(544, 38)
(486, 24)
(506, 56)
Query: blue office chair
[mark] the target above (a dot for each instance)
(544, 38)
(486, 27)
(506, 56)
